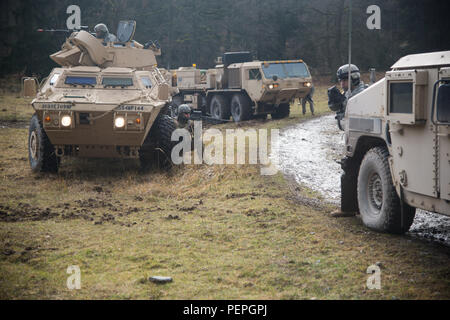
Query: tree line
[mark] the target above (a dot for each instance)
(197, 31)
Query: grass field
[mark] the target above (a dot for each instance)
(221, 232)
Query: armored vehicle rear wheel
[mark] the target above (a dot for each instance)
(282, 111)
(220, 108)
(379, 205)
(41, 152)
(241, 109)
(157, 148)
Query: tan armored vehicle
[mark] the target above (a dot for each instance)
(242, 88)
(104, 101)
(397, 135)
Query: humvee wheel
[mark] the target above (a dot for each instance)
(282, 111)
(220, 109)
(41, 152)
(241, 109)
(379, 205)
(158, 145)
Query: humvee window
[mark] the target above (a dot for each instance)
(401, 97)
(146, 82)
(117, 82)
(54, 78)
(443, 103)
(89, 81)
(254, 74)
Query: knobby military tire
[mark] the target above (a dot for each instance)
(41, 153)
(158, 145)
(241, 109)
(220, 108)
(379, 205)
(282, 111)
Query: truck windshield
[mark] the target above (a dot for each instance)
(117, 82)
(90, 81)
(285, 70)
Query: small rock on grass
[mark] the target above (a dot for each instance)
(160, 280)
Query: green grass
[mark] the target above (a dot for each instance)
(221, 232)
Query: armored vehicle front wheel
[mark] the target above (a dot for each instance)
(379, 205)
(282, 111)
(220, 108)
(41, 152)
(158, 145)
(241, 109)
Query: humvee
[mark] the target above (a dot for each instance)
(104, 101)
(242, 88)
(397, 143)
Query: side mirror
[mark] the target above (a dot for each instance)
(30, 86)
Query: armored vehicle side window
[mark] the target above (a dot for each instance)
(443, 103)
(146, 82)
(254, 74)
(54, 78)
(90, 81)
(117, 82)
(401, 97)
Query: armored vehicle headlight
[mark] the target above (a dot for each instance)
(307, 84)
(270, 86)
(119, 122)
(66, 121)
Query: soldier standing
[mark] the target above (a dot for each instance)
(338, 102)
(309, 99)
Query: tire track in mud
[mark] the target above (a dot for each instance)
(308, 152)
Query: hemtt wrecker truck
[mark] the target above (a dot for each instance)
(104, 101)
(242, 88)
(397, 137)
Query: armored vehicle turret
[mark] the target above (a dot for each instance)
(104, 101)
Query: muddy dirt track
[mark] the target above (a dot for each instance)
(309, 152)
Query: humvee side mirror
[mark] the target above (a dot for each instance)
(125, 31)
(275, 77)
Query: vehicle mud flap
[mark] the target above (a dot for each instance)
(349, 182)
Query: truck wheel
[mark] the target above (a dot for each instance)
(220, 109)
(158, 145)
(41, 152)
(379, 204)
(241, 109)
(282, 111)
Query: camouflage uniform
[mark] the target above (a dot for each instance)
(104, 33)
(308, 99)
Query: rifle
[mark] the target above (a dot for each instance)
(85, 28)
(335, 103)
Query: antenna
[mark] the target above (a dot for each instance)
(350, 46)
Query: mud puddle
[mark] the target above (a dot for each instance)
(309, 152)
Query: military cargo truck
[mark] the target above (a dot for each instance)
(397, 137)
(242, 88)
(104, 101)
